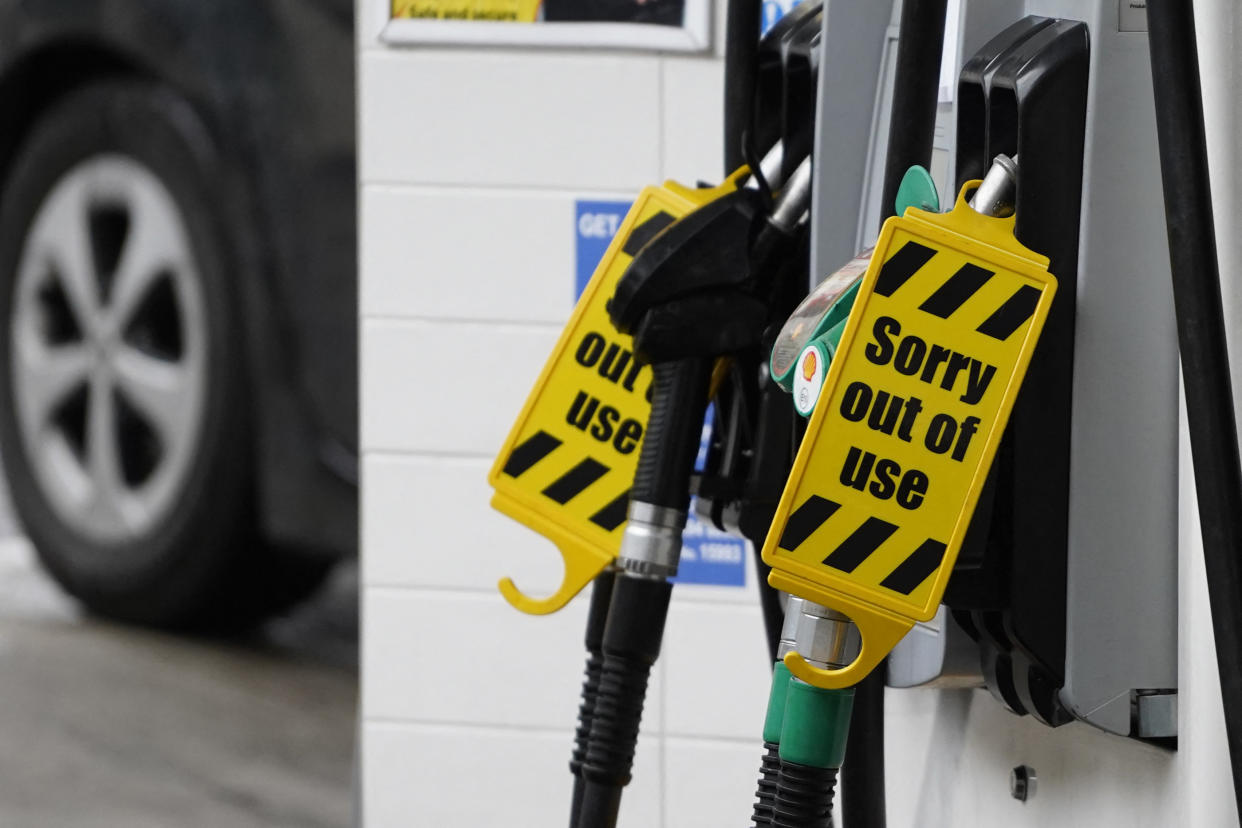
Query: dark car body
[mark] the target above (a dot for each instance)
(274, 82)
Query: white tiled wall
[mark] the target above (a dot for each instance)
(471, 161)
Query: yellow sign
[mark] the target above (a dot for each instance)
(901, 440)
(522, 11)
(568, 463)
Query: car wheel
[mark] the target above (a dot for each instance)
(124, 410)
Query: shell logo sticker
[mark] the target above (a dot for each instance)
(907, 424)
(809, 381)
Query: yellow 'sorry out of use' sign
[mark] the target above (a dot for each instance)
(902, 438)
(566, 468)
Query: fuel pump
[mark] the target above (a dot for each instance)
(1033, 611)
(572, 467)
(692, 276)
(694, 292)
(1047, 585)
(705, 287)
(704, 273)
(921, 460)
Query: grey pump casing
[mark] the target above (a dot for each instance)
(1121, 615)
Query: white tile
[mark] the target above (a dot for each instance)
(693, 105)
(720, 28)
(426, 522)
(370, 18)
(709, 784)
(717, 671)
(447, 387)
(467, 254)
(452, 777)
(493, 117)
(465, 658)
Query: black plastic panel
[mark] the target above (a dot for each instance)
(1025, 93)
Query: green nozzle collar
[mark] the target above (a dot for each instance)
(776, 703)
(817, 723)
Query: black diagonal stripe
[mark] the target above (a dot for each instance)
(915, 569)
(646, 231)
(612, 515)
(572, 483)
(900, 266)
(1011, 315)
(529, 452)
(858, 547)
(806, 519)
(954, 293)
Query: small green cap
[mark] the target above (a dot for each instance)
(917, 189)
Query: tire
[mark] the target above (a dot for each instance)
(125, 424)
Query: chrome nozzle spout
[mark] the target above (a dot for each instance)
(998, 193)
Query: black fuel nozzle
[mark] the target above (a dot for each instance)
(701, 287)
(691, 291)
(696, 291)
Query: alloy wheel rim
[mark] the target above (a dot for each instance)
(108, 349)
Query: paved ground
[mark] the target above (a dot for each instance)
(111, 727)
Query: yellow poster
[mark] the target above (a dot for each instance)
(520, 11)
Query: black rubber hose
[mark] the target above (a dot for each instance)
(804, 796)
(916, 88)
(912, 128)
(741, 61)
(765, 789)
(1201, 336)
(639, 606)
(597, 616)
(862, 796)
(631, 645)
(666, 459)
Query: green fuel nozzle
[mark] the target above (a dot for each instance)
(804, 349)
(806, 727)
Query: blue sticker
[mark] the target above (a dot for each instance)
(596, 222)
(774, 10)
(708, 555)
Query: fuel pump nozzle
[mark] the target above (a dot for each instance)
(995, 197)
(809, 725)
(695, 293)
(805, 727)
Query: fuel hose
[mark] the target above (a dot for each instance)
(741, 64)
(597, 616)
(912, 126)
(639, 604)
(1202, 341)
